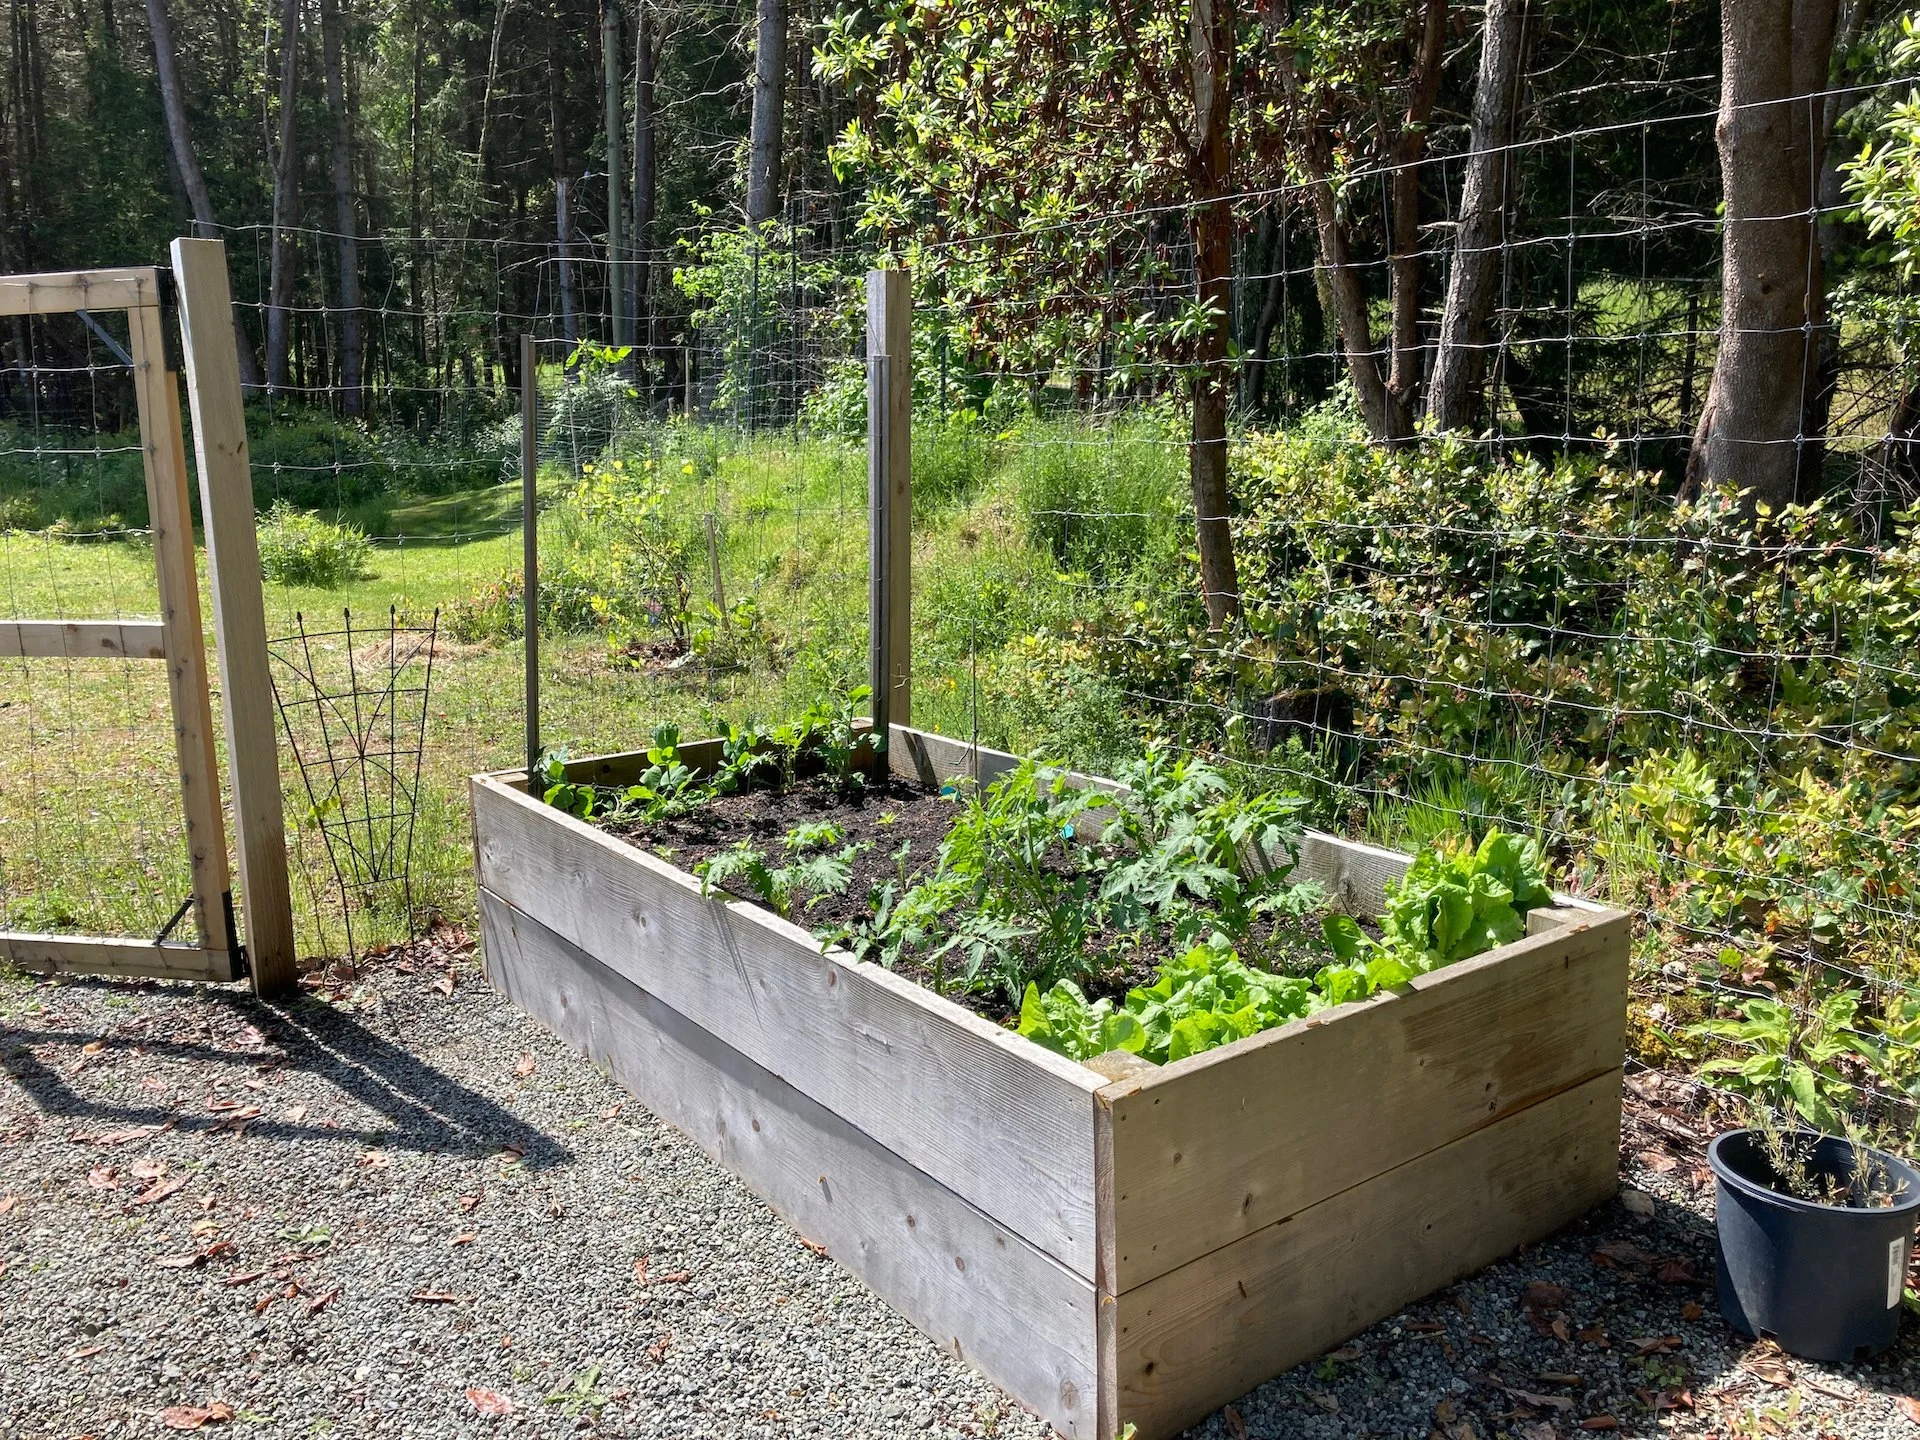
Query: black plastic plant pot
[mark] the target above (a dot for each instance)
(1823, 1281)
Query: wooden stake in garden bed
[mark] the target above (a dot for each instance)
(890, 495)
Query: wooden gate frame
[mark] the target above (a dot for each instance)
(233, 564)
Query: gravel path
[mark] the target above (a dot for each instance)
(393, 1210)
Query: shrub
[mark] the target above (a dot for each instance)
(298, 548)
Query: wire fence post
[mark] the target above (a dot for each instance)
(530, 547)
(890, 496)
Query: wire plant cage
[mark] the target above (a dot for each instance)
(353, 704)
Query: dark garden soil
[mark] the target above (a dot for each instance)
(910, 817)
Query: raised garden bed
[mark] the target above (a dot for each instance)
(1112, 1251)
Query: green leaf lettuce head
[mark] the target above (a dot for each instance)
(1452, 903)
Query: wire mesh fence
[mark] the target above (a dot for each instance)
(1545, 620)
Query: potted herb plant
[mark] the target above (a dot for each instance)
(1814, 1235)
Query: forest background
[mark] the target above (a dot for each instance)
(1498, 411)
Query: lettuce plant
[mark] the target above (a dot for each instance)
(1452, 903)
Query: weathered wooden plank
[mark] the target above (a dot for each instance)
(163, 448)
(975, 1286)
(239, 610)
(1210, 1331)
(1006, 1125)
(1213, 1148)
(108, 955)
(84, 639)
(62, 292)
(890, 495)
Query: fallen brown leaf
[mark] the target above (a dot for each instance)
(321, 1302)
(147, 1168)
(103, 1177)
(488, 1402)
(1539, 1402)
(640, 1269)
(1766, 1364)
(1325, 1401)
(1691, 1310)
(1656, 1344)
(1676, 1272)
(122, 1137)
(181, 1262)
(524, 1066)
(657, 1351)
(192, 1417)
(1560, 1377)
(1235, 1423)
(434, 1297)
(88, 1353)
(446, 983)
(1909, 1407)
(1543, 1295)
(297, 1113)
(160, 1191)
(1425, 1327)
(1595, 1335)
(467, 1203)
(814, 1245)
(1600, 1422)
(7, 1202)
(466, 1237)
(242, 1277)
(1344, 1353)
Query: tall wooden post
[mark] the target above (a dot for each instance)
(530, 548)
(890, 495)
(239, 608)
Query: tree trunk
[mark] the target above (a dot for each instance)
(769, 87)
(1403, 261)
(562, 198)
(332, 23)
(286, 202)
(1211, 30)
(1456, 396)
(1774, 63)
(1339, 278)
(645, 58)
(187, 163)
(616, 218)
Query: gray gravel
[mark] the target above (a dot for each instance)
(387, 1209)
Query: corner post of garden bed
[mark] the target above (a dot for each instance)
(890, 496)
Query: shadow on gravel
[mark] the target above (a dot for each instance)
(425, 1109)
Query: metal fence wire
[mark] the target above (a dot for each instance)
(1547, 620)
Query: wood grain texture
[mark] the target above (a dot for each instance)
(1213, 1148)
(62, 292)
(239, 610)
(1210, 1331)
(84, 639)
(1006, 1125)
(109, 955)
(980, 1291)
(163, 450)
(890, 493)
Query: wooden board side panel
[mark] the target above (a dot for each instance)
(114, 955)
(1197, 1338)
(1007, 1126)
(979, 1290)
(85, 639)
(1209, 1150)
